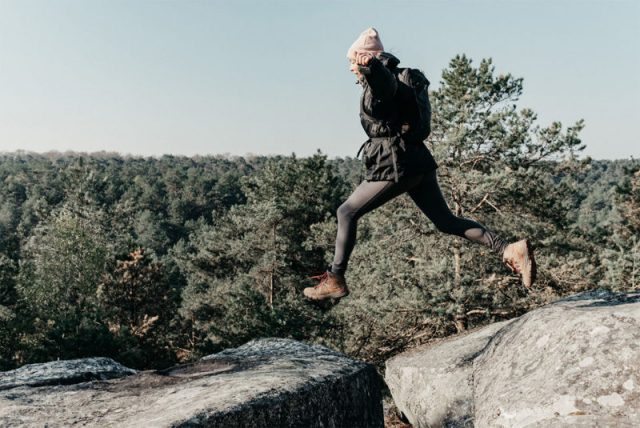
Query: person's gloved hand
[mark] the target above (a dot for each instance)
(363, 58)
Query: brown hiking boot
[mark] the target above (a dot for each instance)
(331, 286)
(519, 258)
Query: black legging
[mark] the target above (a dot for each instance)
(425, 192)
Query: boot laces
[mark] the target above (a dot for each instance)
(322, 278)
(513, 265)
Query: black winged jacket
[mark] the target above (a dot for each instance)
(387, 111)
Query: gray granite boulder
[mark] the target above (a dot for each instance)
(63, 372)
(575, 362)
(433, 385)
(264, 383)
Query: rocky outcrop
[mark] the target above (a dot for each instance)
(264, 383)
(63, 372)
(433, 386)
(575, 362)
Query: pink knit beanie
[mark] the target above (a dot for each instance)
(369, 41)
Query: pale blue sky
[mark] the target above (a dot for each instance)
(271, 77)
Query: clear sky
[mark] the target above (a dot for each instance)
(271, 77)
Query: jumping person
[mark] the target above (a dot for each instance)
(397, 161)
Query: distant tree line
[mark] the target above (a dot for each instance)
(156, 261)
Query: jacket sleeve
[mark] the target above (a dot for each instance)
(382, 82)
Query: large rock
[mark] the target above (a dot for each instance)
(575, 362)
(63, 372)
(264, 383)
(433, 386)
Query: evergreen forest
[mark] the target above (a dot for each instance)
(159, 261)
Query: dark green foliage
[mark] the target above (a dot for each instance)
(138, 303)
(499, 167)
(621, 258)
(60, 268)
(65, 222)
(245, 271)
(158, 261)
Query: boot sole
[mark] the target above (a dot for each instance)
(329, 296)
(532, 264)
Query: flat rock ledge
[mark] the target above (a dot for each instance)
(574, 362)
(264, 383)
(63, 372)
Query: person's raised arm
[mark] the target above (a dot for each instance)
(382, 82)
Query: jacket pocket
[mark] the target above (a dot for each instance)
(379, 158)
(370, 153)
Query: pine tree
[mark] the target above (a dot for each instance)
(621, 258)
(409, 281)
(246, 270)
(61, 267)
(138, 303)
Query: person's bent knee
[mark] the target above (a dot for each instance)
(345, 212)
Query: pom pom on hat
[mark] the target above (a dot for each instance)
(368, 41)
